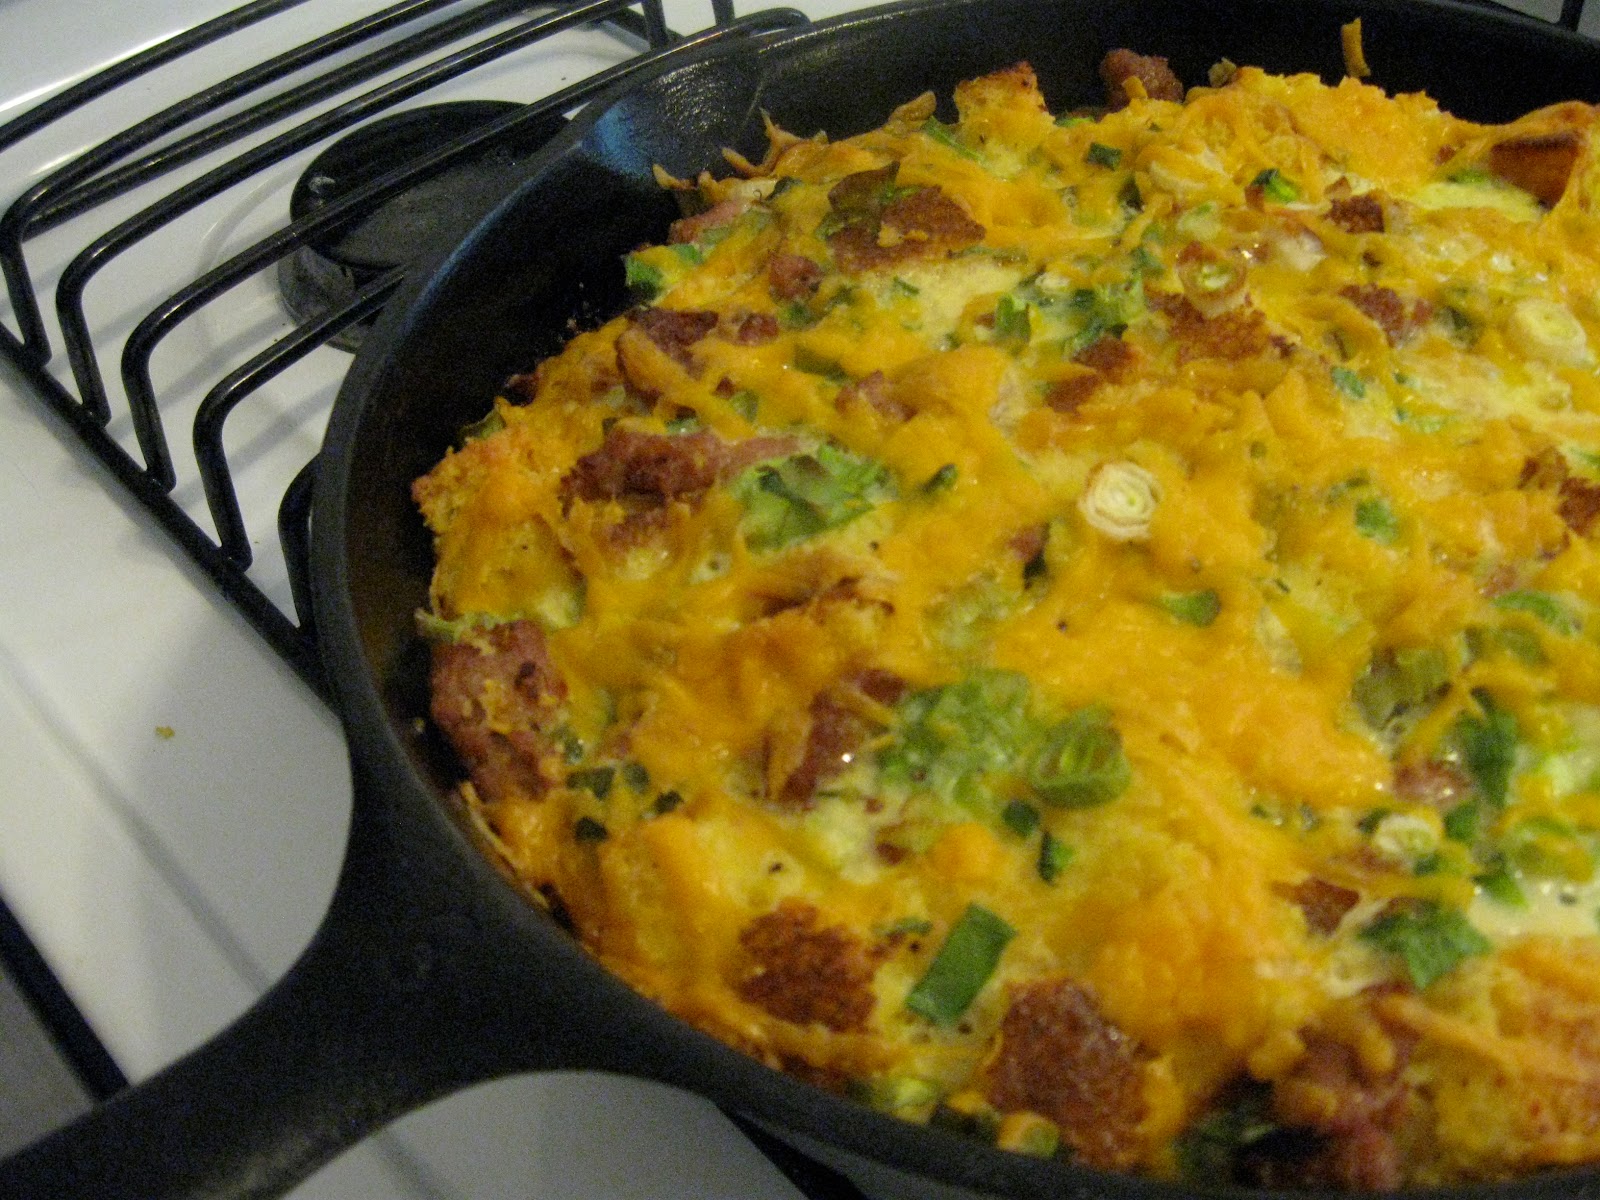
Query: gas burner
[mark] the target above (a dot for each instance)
(433, 214)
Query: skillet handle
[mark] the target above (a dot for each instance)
(387, 1009)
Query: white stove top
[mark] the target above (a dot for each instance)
(173, 800)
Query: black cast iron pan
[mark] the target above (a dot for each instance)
(432, 972)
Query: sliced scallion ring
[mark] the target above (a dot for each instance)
(1081, 763)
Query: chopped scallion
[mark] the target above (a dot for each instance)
(805, 494)
(1054, 856)
(1376, 520)
(1012, 321)
(1502, 888)
(946, 137)
(1488, 748)
(1397, 681)
(812, 363)
(1348, 382)
(941, 480)
(491, 423)
(595, 780)
(909, 927)
(1276, 186)
(1461, 822)
(1541, 605)
(1020, 817)
(1101, 155)
(969, 956)
(642, 276)
(1429, 939)
(1082, 762)
(895, 1092)
(1192, 608)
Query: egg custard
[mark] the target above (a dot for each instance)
(1083, 629)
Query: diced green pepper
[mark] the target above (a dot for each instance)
(969, 956)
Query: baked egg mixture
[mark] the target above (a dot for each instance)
(1081, 629)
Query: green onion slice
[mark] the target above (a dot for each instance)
(962, 966)
(1020, 817)
(1102, 155)
(1488, 749)
(1081, 762)
(1376, 520)
(1541, 605)
(1430, 939)
(1192, 608)
(1348, 382)
(1054, 857)
(1012, 322)
(1276, 186)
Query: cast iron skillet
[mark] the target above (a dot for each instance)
(431, 971)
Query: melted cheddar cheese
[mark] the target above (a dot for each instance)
(1081, 629)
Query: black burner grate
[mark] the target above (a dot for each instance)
(129, 188)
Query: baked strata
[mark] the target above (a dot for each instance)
(1081, 628)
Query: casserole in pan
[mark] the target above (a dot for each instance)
(432, 970)
(1074, 628)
